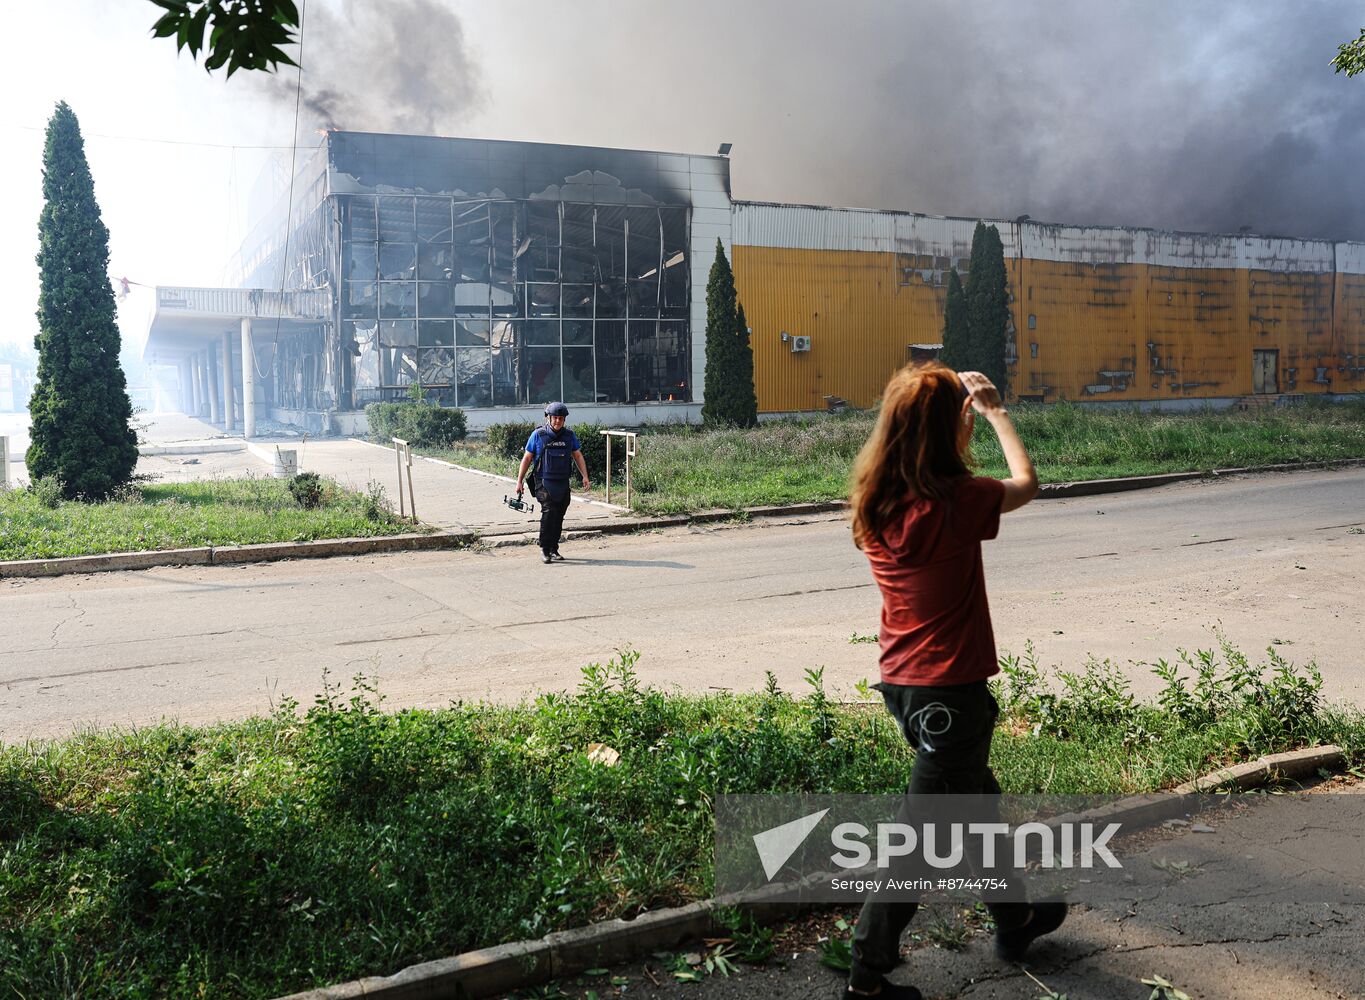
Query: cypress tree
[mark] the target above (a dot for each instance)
(722, 343)
(746, 399)
(987, 304)
(956, 353)
(81, 431)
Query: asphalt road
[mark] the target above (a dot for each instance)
(1268, 559)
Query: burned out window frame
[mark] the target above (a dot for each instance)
(567, 298)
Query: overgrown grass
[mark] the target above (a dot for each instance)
(262, 857)
(681, 468)
(36, 524)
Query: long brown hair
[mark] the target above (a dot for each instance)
(914, 450)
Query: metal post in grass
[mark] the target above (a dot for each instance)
(630, 437)
(4, 460)
(404, 452)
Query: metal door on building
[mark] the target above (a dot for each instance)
(1265, 371)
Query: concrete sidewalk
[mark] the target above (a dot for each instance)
(446, 496)
(1262, 902)
(181, 448)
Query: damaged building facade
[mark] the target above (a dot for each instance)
(838, 298)
(501, 275)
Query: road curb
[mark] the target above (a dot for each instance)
(221, 555)
(275, 551)
(506, 967)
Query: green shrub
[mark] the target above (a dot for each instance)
(48, 491)
(509, 439)
(416, 423)
(306, 489)
(595, 452)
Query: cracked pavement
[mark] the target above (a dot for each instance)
(1206, 932)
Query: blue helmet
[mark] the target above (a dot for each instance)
(556, 410)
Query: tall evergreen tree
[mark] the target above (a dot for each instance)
(988, 304)
(81, 430)
(746, 398)
(957, 347)
(729, 380)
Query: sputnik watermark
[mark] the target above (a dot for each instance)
(900, 840)
(853, 843)
(841, 848)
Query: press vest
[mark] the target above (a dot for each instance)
(556, 455)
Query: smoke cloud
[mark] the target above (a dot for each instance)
(396, 66)
(1202, 117)
(1160, 113)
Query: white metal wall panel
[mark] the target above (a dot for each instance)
(1118, 245)
(806, 227)
(234, 303)
(1350, 258)
(712, 219)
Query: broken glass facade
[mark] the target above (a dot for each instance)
(501, 302)
(498, 274)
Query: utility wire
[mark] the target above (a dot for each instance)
(289, 203)
(169, 142)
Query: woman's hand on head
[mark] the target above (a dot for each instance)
(984, 395)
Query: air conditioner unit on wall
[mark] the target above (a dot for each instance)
(800, 344)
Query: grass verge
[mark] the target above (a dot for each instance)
(36, 524)
(267, 856)
(682, 469)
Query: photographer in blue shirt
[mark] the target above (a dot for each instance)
(554, 449)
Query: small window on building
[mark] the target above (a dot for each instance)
(1032, 321)
(1033, 349)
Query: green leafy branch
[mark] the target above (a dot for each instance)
(241, 34)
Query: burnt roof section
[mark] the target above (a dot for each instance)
(491, 168)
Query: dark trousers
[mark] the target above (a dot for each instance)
(950, 729)
(553, 505)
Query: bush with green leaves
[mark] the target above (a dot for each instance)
(509, 439)
(307, 490)
(419, 424)
(47, 491)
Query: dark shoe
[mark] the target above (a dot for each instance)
(556, 556)
(546, 558)
(1044, 917)
(886, 991)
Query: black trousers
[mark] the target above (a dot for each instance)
(950, 729)
(553, 504)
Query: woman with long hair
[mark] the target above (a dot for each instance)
(920, 516)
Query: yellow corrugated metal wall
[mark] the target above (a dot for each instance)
(858, 308)
(1348, 340)
(1083, 331)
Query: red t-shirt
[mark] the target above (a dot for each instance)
(936, 624)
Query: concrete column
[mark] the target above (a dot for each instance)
(197, 388)
(211, 373)
(201, 396)
(248, 382)
(186, 388)
(227, 382)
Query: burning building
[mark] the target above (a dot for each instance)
(501, 275)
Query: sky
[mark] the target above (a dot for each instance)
(1203, 117)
